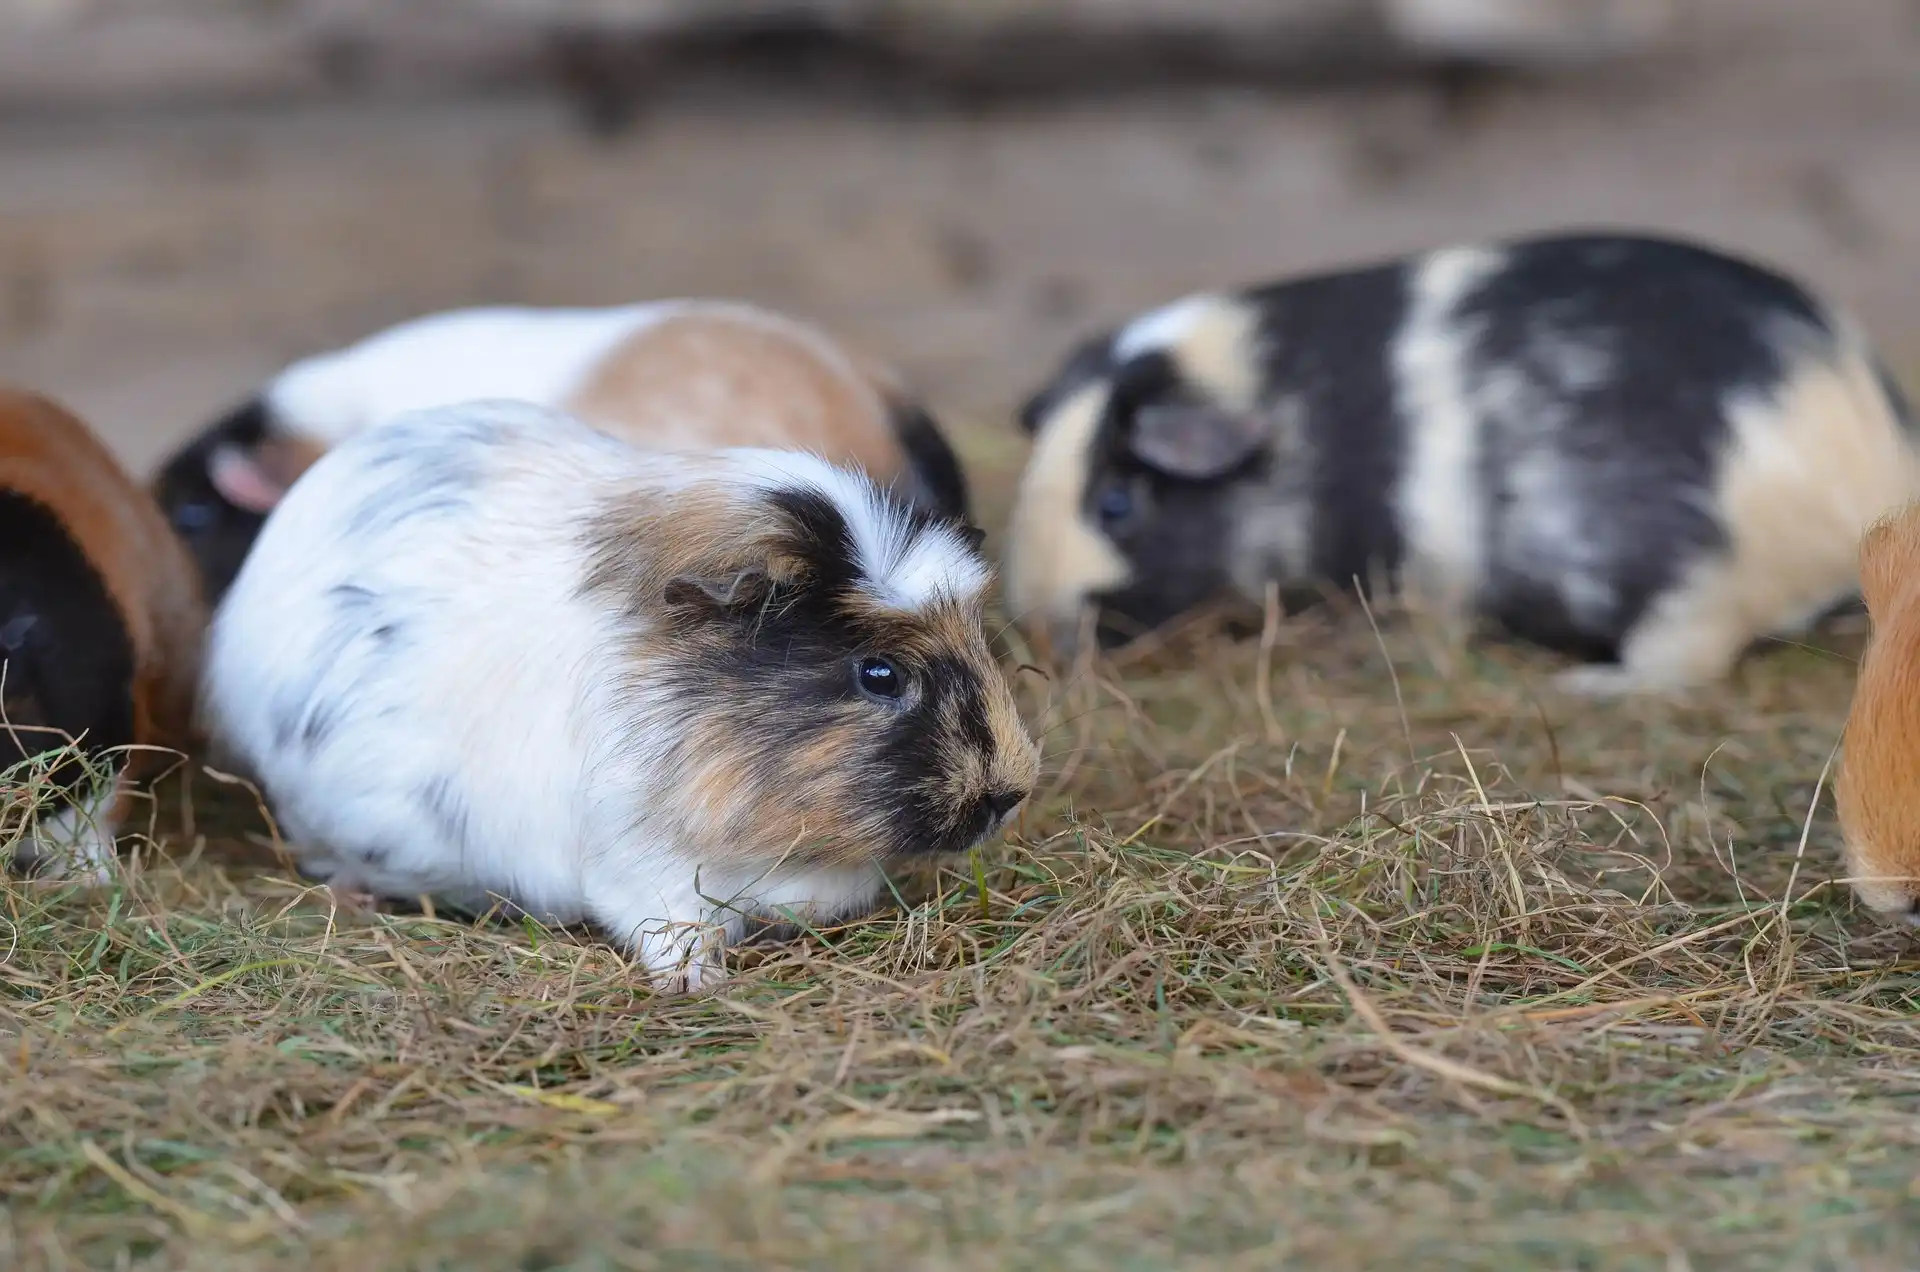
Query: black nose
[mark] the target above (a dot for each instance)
(1000, 803)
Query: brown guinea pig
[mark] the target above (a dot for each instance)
(101, 622)
(665, 375)
(1878, 786)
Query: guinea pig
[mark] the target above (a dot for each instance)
(669, 374)
(1637, 451)
(488, 650)
(101, 621)
(1877, 788)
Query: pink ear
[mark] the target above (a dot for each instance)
(242, 481)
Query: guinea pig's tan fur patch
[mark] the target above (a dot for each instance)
(1806, 471)
(1055, 559)
(718, 374)
(807, 785)
(707, 532)
(1877, 789)
(50, 456)
(1214, 343)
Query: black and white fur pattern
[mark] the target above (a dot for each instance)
(1639, 451)
(488, 650)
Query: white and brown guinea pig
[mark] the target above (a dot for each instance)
(100, 628)
(686, 373)
(1638, 451)
(487, 649)
(1878, 785)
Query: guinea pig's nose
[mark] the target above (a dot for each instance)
(1001, 803)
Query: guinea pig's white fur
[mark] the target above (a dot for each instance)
(668, 375)
(1638, 451)
(487, 649)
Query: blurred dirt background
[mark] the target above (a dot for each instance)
(184, 207)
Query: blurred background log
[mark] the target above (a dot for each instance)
(607, 55)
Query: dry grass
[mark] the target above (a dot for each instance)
(1284, 973)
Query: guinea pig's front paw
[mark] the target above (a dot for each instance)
(1607, 680)
(1597, 680)
(685, 960)
(74, 845)
(352, 897)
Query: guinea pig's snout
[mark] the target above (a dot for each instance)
(994, 810)
(1000, 805)
(1911, 915)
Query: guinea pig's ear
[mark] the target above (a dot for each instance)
(719, 593)
(1887, 557)
(973, 535)
(242, 480)
(1197, 441)
(257, 477)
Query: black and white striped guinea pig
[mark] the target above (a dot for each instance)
(100, 628)
(487, 649)
(1634, 450)
(687, 373)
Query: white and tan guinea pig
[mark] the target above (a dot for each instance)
(1878, 786)
(670, 374)
(100, 627)
(1638, 451)
(487, 649)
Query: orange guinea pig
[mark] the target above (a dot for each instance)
(101, 623)
(1878, 787)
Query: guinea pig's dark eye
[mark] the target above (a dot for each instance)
(1114, 505)
(193, 516)
(880, 677)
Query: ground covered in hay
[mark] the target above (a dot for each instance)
(1331, 955)
(1334, 953)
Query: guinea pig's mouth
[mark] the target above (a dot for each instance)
(991, 814)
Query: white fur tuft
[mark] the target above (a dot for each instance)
(906, 565)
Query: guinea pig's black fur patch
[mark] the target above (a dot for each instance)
(217, 534)
(931, 457)
(789, 663)
(1086, 361)
(69, 660)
